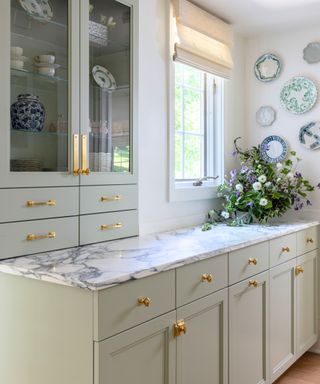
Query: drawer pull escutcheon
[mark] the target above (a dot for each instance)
(252, 261)
(49, 203)
(207, 277)
(32, 237)
(113, 198)
(179, 328)
(253, 283)
(310, 240)
(146, 301)
(285, 249)
(299, 269)
(106, 227)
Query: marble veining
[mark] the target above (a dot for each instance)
(104, 265)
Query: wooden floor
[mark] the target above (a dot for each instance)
(305, 371)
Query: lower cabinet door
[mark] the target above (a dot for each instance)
(282, 318)
(248, 331)
(202, 352)
(143, 355)
(307, 294)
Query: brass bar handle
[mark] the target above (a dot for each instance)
(299, 269)
(84, 157)
(310, 240)
(179, 328)
(49, 203)
(285, 249)
(76, 168)
(253, 283)
(207, 277)
(146, 301)
(106, 227)
(32, 237)
(105, 199)
(252, 261)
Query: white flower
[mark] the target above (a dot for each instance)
(263, 202)
(225, 214)
(278, 179)
(257, 186)
(239, 187)
(290, 175)
(279, 166)
(268, 184)
(262, 179)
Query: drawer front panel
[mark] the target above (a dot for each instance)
(29, 237)
(108, 226)
(248, 261)
(201, 278)
(118, 309)
(108, 198)
(38, 203)
(307, 240)
(283, 249)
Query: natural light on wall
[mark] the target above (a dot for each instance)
(285, 3)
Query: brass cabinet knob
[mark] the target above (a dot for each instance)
(49, 203)
(253, 283)
(180, 328)
(106, 227)
(299, 269)
(146, 301)
(310, 240)
(32, 236)
(285, 249)
(252, 261)
(207, 277)
(104, 199)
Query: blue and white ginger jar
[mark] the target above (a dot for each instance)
(27, 114)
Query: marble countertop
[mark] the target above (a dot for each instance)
(104, 265)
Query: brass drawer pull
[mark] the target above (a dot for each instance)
(76, 169)
(84, 158)
(310, 240)
(253, 283)
(252, 261)
(285, 249)
(113, 198)
(106, 227)
(207, 277)
(146, 301)
(49, 203)
(32, 237)
(299, 269)
(179, 328)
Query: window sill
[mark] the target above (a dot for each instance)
(187, 192)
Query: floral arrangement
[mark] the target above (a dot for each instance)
(260, 191)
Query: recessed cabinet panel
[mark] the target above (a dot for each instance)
(283, 249)
(307, 240)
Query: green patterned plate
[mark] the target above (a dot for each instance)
(299, 95)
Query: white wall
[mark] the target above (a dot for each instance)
(156, 212)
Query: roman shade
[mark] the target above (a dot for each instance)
(201, 39)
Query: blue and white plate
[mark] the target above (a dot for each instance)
(40, 10)
(309, 135)
(103, 77)
(273, 149)
(267, 68)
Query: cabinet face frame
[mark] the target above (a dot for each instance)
(38, 179)
(104, 178)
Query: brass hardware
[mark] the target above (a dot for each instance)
(31, 203)
(253, 283)
(84, 159)
(285, 249)
(113, 198)
(31, 236)
(179, 328)
(146, 301)
(310, 240)
(252, 261)
(76, 169)
(105, 227)
(207, 277)
(299, 269)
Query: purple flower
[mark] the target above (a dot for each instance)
(298, 175)
(318, 186)
(234, 153)
(250, 204)
(309, 203)
(244, 169)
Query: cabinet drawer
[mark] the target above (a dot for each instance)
(248, 261)
(283, 249)
(117, 309)
(38, 203)
(201, 279)
(108, 226)
(108, 198)
(54, 234)
(307, 240)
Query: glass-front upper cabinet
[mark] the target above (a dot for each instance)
(40, 93)
(108, 72)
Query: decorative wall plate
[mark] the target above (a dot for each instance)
(309, 135)
(299, 95)
(273, 149)
(40, 10)
(266, 116)
(267, 68)
(311, 53)
(103, 77)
